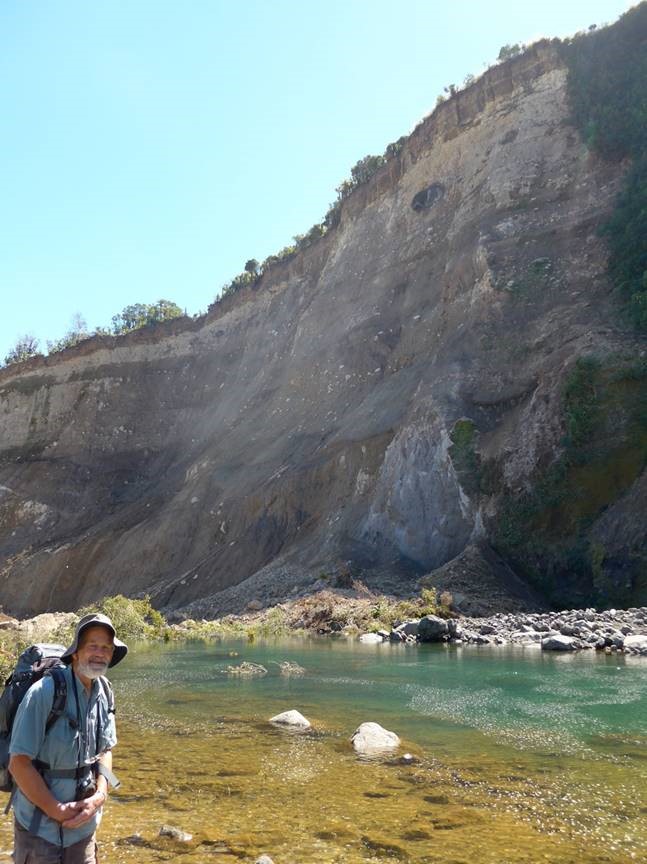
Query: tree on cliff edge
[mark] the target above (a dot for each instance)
(25, 347)
(141, 314)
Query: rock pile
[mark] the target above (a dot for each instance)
(570, 630)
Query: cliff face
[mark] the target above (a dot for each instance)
(318, 418)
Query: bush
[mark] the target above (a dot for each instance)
(11, 646)
(395, 148)
(464, 456)
(140, 315)
(507, 52)
(77, 332)
(133, 619)
(581, 406)
(607, 74)
(243, 280)
(24, 348)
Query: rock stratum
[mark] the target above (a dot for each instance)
(391, 396)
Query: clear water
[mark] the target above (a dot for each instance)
(521, 756)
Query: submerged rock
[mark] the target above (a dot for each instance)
(175, 834)
(247, 669)
(373, 738)
(290, 669)
(291, 718)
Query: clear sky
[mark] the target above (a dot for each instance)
(150, 147)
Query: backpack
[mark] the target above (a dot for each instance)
(34, 662)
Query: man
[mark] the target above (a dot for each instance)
(62, 775)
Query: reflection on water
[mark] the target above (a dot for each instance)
(520, 756)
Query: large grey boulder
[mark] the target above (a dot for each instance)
(408, 628)
(636, 644)
(373, 738)
(291, 718)
(431, 628)
(558, 643)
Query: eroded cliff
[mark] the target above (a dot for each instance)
(385, 397)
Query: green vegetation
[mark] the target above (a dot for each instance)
(133, 619)
(360, 174)
(464, 456)
(324, 612)
(11, 646)
(77, 332)
(131, 318)
(24, 348)
(607, 75)
(507, 52)
(142, 314)
(543, 532)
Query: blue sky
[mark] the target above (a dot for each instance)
(150, 147)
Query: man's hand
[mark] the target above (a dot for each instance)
(64, 812)
(83, 811)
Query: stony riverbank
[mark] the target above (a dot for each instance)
(358, 614)
(569, 630)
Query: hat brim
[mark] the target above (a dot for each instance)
(120, 648)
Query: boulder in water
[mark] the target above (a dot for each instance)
(175, 834)
(291, 718)
(373, 738)
(371, 638)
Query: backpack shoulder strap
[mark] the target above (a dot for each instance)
(108, 692)
(60, 696)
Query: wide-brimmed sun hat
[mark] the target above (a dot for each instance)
(96, 619)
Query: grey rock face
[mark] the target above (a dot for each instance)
(426, 522)
(211, 460)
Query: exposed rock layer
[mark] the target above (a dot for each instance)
(310, 421)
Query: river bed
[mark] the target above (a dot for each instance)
(520, 755)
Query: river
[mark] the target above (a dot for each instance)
(520, 755)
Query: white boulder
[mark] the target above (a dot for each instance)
(636, 644)
(371, 638)
(291, 718)
(372, 738)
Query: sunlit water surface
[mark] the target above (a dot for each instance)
(521, 756)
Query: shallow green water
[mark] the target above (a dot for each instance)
(522, 756)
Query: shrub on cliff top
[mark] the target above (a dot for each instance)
(24, 347)
(142, 314)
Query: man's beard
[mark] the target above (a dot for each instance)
(92, 670)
